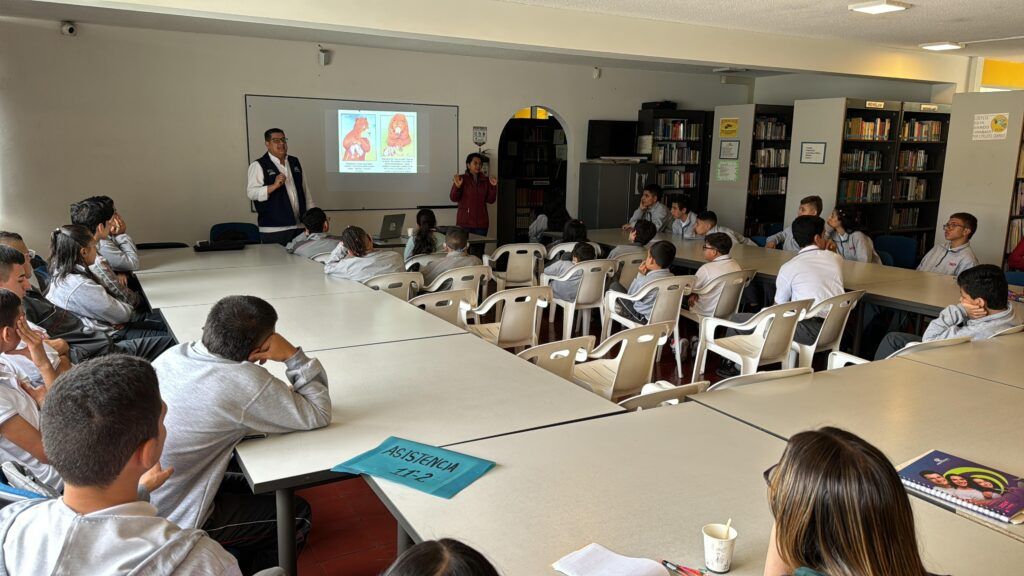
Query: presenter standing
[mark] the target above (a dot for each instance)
(473, 191)
(278, 189)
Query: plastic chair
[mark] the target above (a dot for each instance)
(243, 231)
(321, 258)
(444, 305)
(837, 359)
(560, 357)
(1011, 330)
(1015, 278)
(589, 293)
(902, 249)
(519, 324)
(770, 341)
(557, 250)
(885, 257)
(625, 374)
(421, 260)
(842, 359)
(630, 266)
(522, 265)
(402, 285)
(831, 333)
(469, 278)
(160, 245)
(731, 286)
(667, 303)
(757, 377)
(673, 395)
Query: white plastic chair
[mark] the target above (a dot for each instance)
(444, 305)
(1011, 330)
(322, 257)
(731, 286)
(669, 395)
(589, 293)
(522, 265)
(519, 324)
(667, 303)
(556, 251)
(757, 377)
(842, 359)
(629, 266)
(839, 308)
(837, 359)
(422, 260)
(769, 341)
(466, 278)
(559, 357)
(402, 285)
(625, 374)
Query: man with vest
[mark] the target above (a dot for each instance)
(278, 190)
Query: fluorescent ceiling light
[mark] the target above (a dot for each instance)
(942, 46)
(878, 6)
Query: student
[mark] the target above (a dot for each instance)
(956, 256)
(118, 248)
(102, 427)
(850, 242)
(217, 392)
(455, 243)
(16, 354)
(640, 237)
(356, 259)
(659, 257)
(707, 223)
(313, 240)
(445, 557)
(650, 209)
(574, 231)
(839, 509)
(426, 240)
(983, 310)
(704, 298)
(98, 217)
(809, 206)
(568, 289)
(539, 225)
(683, 219)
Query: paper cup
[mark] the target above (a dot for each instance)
(718, 547)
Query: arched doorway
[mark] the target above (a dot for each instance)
(532, 156)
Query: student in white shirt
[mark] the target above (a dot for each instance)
(684, 220)
(956, 256)
(568, 289)
(426, 239)
(707, 223)
(455, 243)
(706, 294)
(849, 241)
(809, 206)
(279, 190)
(356, 259)
(659, 257)
(650, 209)
(314, 239)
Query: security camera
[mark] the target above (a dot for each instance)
(68, 28)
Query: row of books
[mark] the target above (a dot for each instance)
(535, 135)
(1020, 163)
(767, 184)
(536, 154)
(914, 130)
(912, 160)
(674, 154)
(677, 179)
(668, 129)
(1014, 235)
(851, 191)
(861, 161)
(529, 196)
(532, 170)
(905, 217)
(771, 157)
(769, 129)
(524, 217)
(910, 188)
(761, 229)
(864, 129)
(1017, 206)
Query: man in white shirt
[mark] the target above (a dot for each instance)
(650, 209)
(704, 298)
(956, 256)
(278, 190)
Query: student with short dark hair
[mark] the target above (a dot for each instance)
(38, 366)
(650, 209)
(809, 206)
(426, 239)
(983, 310)
(445, 557)
(473, 191)
(659, 257)
(278, 189)
(641, 235)
(115, 246)
(455, 243)
(707, 223)
(314, 239)
(217, 392)
(683, 219)
(705, 295)
(355, 258)
(573, 232)
(568, 289)
(103, 433)
(956, 255)
(97, 215)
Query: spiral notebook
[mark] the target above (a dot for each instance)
(966, 484)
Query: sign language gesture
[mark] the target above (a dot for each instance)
(458, 180)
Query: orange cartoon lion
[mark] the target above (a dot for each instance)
(356, 142)
(398, 135)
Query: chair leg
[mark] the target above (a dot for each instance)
(585, 320)
(748, 366)
(678, 351)
(551, 313)
(568, 316)
(698, 363)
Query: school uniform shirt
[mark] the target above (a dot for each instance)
(736, 238)
(48, 537)
(813, 274)
(120, 252)
(411, 243)
(212, 403)
(784, 238)
(657, 214)
(537, 228)
(362, 268)
(856, 246)
(22, 366)
(954, 322)
(256, 190)
(705, 277)
(626, 249)
(79, 294)
(309, 245)
(945, 260)
(644, 306)
(451, 261)
(563, 289)
(16, 402)
(684, 227)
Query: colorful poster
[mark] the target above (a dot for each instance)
(728, 127)
(727, 171)
(374, 141)
(991, 126)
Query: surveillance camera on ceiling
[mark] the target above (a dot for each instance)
(68, 28)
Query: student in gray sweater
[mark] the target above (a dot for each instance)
(102, 427)
(809, 206)
(567, 290)
(217, 392)
(356, 258)
(314, 239)
(455, 243)
(983, 311)
(659, 257)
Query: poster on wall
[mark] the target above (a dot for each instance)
(991, 126)
(729, 149)
(727, 171)
(812, 152)
(728, 127)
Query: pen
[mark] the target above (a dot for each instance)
(678, 569)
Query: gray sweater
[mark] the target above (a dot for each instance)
(362, 268)
(120, 252)
(309, 245)
(451, 261)
(953, 323)
(212, 403)
(564, 289)
(85, 298)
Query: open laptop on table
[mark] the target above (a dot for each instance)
(390, 228)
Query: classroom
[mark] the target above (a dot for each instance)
(512, 287)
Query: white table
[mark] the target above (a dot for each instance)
(330, 320)
(191, 287)
(181, 259)
(997, 359)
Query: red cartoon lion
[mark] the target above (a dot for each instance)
(356, 142)
(398, 135)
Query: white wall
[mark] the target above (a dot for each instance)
(784, 89)
(155, 119)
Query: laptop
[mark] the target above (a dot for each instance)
(390, 228)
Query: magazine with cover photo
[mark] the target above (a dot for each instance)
(978, 488)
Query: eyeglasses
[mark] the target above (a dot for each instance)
(706, 247)
(951, 225)
(279, 140)
(770, 473)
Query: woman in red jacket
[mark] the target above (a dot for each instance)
(473, 191)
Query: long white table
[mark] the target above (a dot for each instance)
(181, 259)
(997, 359)
(327, 321)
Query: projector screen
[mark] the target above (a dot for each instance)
(363, 155)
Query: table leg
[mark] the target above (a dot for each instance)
(404, 540)
(286, 556)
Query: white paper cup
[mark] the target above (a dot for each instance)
(408, 232)
(718, 547)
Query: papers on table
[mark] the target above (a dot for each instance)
(596, 560)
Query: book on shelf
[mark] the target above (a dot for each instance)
(529, 196)
(910, 188)
(767, 184)
(1014, 234)
(945, 478)
(673, 129)
(914, 130)
(677, 179)
(853, 191)
(905, 217)
(1020, 162)
(674, 153)
(864, 129)
(771, 158)
(1017, 206)
(769, 129)
(911, 160)
(861, 161)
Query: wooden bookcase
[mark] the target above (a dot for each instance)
(769, 170)
(679, 142)
(1015, 227)
(532, 175)
(867, 162)
(920, 157)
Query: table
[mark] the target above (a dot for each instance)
(191, 287)
(998, 359)
(401, 241)
(327, 321)
(181, 259)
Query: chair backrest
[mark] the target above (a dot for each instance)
(322, 257)
(561, 248)
(839, 308)
(444, 305)
(635, 361)
(885, 257)
(756, 377)
(837, 359)
(1014, 278)
(731, 286)
(903, 249)
(630, 266)
(399, 284)
(1011, 330)
(559, 357)
(595, 280)
(522, 260)
(521, 310)
(922, 346)
(669, 299)
(466, 278)
(244, 231)
(779, 323)
(422, 260)
(656, 399)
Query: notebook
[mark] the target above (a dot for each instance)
(966, 484)
(596, 560)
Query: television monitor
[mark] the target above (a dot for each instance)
(611, 138)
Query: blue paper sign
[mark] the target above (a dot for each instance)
(426, 468)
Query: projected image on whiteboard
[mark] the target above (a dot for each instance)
(376, 142)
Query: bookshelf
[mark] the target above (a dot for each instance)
(867, 162)
(676, 142)
(1015, 227)
(532, 174)
(920, 157)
